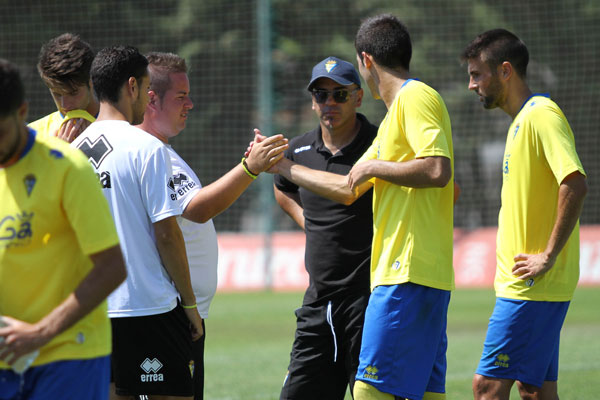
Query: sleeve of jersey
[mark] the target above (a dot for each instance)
(282, 183)
(158, 197)
(372, 151)
(422, 117)
(192, 186)
(87, 209)
(552, 130)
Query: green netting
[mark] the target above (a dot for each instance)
(220, 41)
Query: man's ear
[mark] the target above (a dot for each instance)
(132, 87)
(154, 99)
(367, 60)
(359, 97)
(505, 70)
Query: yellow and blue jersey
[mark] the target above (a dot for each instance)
(53, 216)
(539, 154)
(412, 228)
(50, 124)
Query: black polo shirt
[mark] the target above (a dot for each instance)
(338, 237)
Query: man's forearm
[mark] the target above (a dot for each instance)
(171, 247)
(106, 275)
(326, 184)
(418, 173)
(290, 203)
(22, 337)
(571, 194)
(215, 198)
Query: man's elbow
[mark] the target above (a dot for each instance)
(439, 171)
(347, 201)
(577, 184)
(440, 177)
(347, 196)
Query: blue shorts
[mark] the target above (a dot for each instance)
(522, 341)
(404, 340)
(65, 380)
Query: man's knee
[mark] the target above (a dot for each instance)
(548, 391)
(486, 388)
(480, 386)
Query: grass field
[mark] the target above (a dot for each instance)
(249, 337)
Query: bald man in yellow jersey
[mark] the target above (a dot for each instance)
(538, 227)
(59, 259)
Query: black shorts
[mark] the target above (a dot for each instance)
(322, 364)
(152, 355)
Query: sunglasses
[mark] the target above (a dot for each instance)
(339, 95)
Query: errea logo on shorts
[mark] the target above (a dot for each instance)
(371, 372)
(502, 360)
(150, 366)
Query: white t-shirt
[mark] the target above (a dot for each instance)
(200, 239)
(134, 169)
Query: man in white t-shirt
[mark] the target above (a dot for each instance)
(152, 311)
(165, 117)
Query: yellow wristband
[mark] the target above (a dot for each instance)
(192, 306)
(246, 170)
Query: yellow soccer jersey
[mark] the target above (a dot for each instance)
(53, 215)
(50, 124)
(539, 154)
(412, 228)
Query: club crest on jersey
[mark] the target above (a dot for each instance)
(330, 65)
(29, 182)
(96, 150)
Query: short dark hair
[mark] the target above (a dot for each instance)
(496, 46)
(111, 69)
(385, 38)
(11, 87)
(161, 65)
(66, 61)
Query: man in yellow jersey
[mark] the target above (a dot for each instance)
(409, 166)
(59, 259)
(64, 66)
(538, 230)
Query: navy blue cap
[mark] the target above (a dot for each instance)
(340, 71)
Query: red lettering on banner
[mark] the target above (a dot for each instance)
(242, 260)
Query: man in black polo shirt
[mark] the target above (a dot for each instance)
(325, 352)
